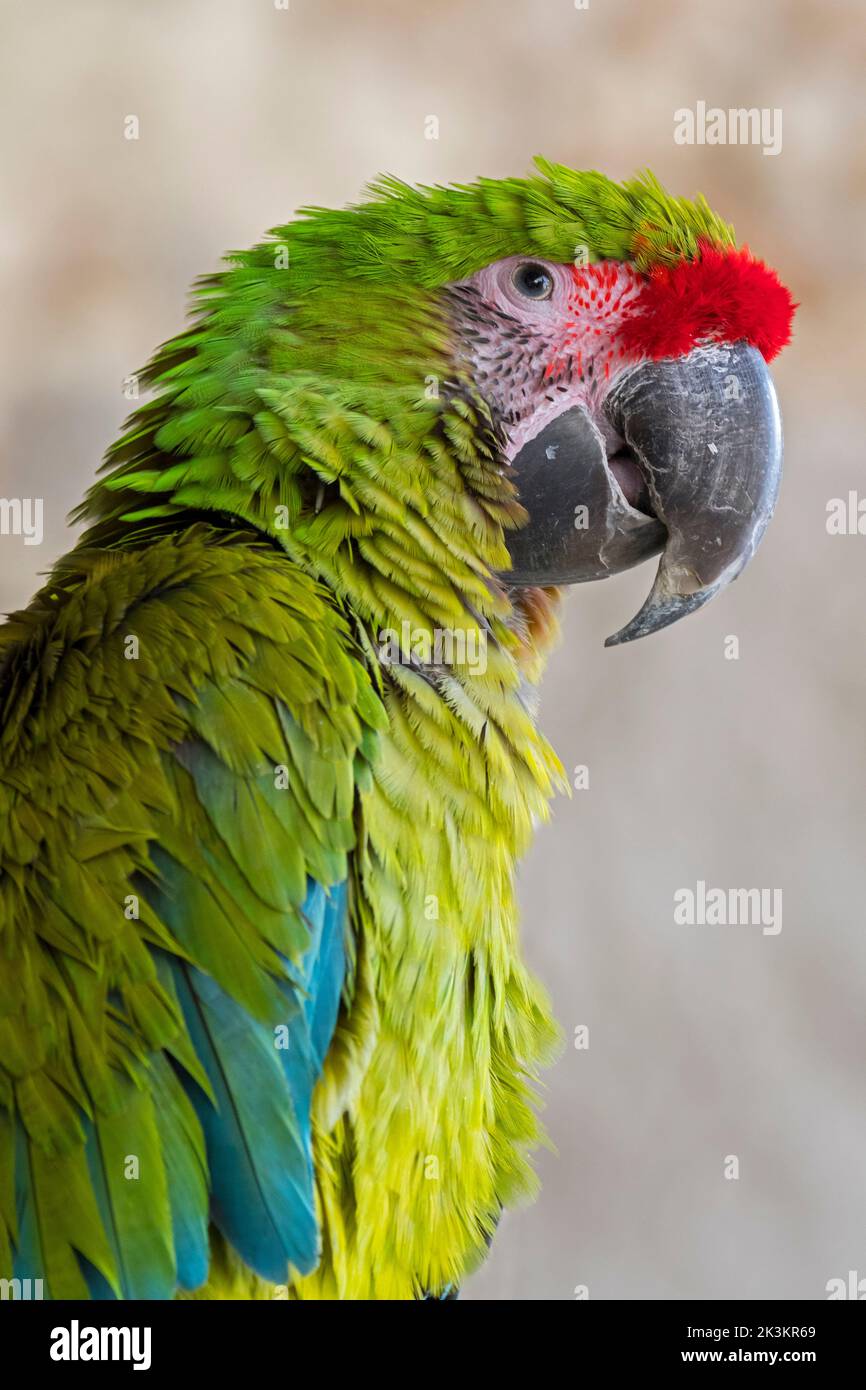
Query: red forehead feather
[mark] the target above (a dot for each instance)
(723, 296)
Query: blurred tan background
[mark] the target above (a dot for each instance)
(704, 1041)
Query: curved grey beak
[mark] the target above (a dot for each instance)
(697, 478)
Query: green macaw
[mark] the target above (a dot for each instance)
(269, 755)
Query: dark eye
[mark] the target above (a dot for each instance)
(533, 280)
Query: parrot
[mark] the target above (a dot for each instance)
(270, 751)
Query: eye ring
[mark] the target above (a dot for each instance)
(532, 280)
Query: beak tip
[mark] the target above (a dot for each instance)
(658, 613)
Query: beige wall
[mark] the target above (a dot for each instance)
(706, 1041)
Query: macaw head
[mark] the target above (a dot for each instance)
(632, 388)
(638, 412)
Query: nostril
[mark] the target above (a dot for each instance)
(625, 469)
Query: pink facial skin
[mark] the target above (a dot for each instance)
(534, 358)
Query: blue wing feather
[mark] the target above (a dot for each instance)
(258, 1134)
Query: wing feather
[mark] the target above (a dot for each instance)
(175, 840)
